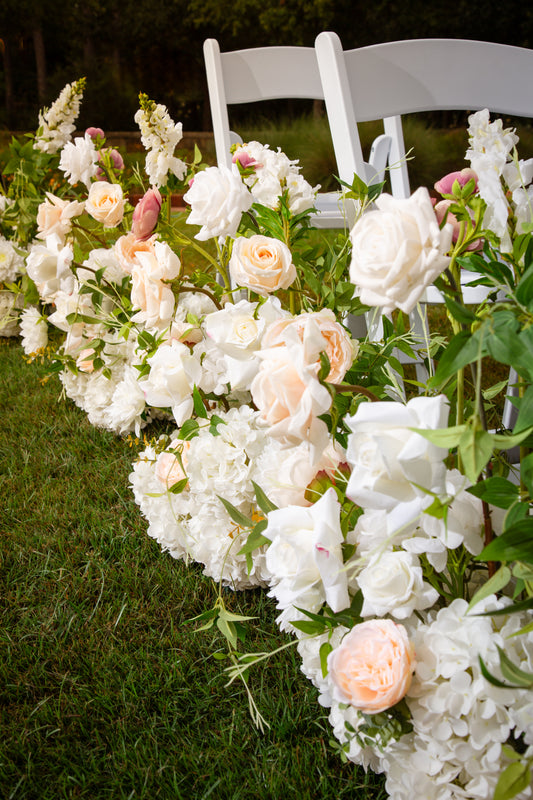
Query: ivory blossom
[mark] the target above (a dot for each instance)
(105, 203)
(262, 264)
(398, 250)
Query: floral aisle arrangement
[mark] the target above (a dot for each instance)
(387, 517)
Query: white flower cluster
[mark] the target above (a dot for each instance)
(490, 154)
(194, 522)
(11, 261)
(10, 304)
(79, 161)
(273, 174)
(56, 124)
(160, 136)
(33, 331)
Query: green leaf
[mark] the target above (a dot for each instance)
(495, 584)
(515, 544)
(325, 650)
(179, 486)
(228, 630)
(443, 437)
(308, 627)
(489, 677)
(199, 407)
(236, 515)
(525, 410)
(526, 473)
(497, 491)
(492, 391)
(475, 449)
(504, 441)
(264, 503)
(462, 350)
(189, 429)
(255, 539)
(460, 312)
(513, 779)
(513, 673)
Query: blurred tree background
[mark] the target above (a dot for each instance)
(127, 46)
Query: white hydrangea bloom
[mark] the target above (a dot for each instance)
(33, 330)
(11, 262)
(79, 161)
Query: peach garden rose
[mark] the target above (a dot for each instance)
(373, 666)
(262, 264)
(105, 203)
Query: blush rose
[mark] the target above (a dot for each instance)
(262, 264)
(105, 203)
(373, 666)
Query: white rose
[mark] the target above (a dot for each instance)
(49, 267)
(262, 264)
(218, 199)
(55, 216)
(392, 583)
(390, 461)
(79, 161)
(106, 203)
(153, 298)
(305, 556)
(173, 375)
(397, 251)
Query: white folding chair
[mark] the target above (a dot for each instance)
(268, 73)
(384, 81)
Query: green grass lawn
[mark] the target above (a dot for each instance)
(105, 690)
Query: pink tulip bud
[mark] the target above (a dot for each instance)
(95, 133)
(116, 160)
(445, 185)
(441, 211)
(146, 213)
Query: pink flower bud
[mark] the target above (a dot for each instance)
(95, 133)
(146, 213)
(445, 185)
(245, 160)
(116, 160)
(441, 211)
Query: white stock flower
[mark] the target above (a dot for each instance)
(305, 556)
(160, 136)
(390, 461)
(218, 199)
(79, 161)
(56, 124)
(398, 250)
(127, 404)
(392, 583)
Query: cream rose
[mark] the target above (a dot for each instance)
(262, 264)
(373, 666)
(105, 203)
(128, 246)
(339, 347)
(397, 251)
(55, 216)
(170, 469)
(392, 583)
(154, 299)
(290, 398)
